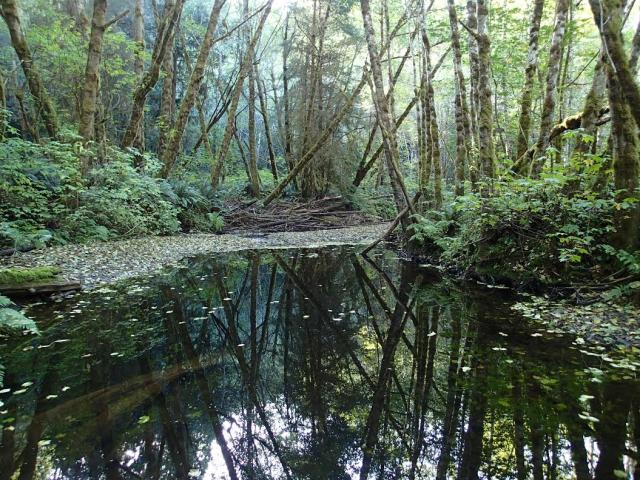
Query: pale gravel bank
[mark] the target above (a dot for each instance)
(99, 263)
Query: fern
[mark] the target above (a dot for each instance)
(12, 320)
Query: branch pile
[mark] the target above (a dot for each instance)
(288, 216)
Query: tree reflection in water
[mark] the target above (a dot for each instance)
(307, 364)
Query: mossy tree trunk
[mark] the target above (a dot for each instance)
(89, 101)
(150, 78)
(485, 108)
(624, 132)
(474, 68)
(230, 128)
(138, 63)
(385, 116)
(526, 101)
(609, 20)
(254, 178)
(551, 89)
(167, 96)
(172, 149)
(9, 12)
(463, 124)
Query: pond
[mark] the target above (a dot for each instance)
(308, 364)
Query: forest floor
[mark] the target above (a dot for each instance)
(106, 262)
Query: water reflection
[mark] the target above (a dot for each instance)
(307, 365)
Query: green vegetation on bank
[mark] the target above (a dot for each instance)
(44, 198)
(557, 230)
(18, 276)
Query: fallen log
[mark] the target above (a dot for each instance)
(40, 288)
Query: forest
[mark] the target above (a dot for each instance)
(319, 239)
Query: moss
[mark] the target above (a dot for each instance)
(18, 276)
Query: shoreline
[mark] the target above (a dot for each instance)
(102, 263)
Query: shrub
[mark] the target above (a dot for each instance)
(44, 198)
(548, 229)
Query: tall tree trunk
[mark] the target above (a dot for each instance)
(9, 12)
(245, 66)
(165, 32)
(167, 97)
(254, 178)
(474, 67)
(188, 100)
(3, 107)
(424, 132)
(609, 20)
(385, 118)
(485, 108)
(526, 100)
(463, 124)
(138, 65)
(624, 135)
(553, 74)
(89, 101)
(262, 96)
(433, 137)
(287, 141)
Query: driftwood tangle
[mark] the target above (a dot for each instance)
(287, 216)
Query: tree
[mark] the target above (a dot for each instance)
(553, 74)
(89, 102)
(485, 104)
(464, 136)
(9, 12)
(524, 121)
(138, 65)
(195, 81)
(254, 178)
(150, 78)
(624, 134)
(609, 24)
(385, 117)
(245, 66)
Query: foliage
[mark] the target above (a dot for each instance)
(12, 321)
(17, 276)
(44, 198)
(551, 230)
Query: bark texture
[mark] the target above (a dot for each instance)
(138, 64)
(165, 31)
(9, 12)
(385, 117)
(526, 101)
(89, 102)
(624, 134)
(551, 89)
(463, 123)
(485, 107)
(188, 101)
(245, 67)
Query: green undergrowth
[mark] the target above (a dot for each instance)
(45, 198)
(537, 233)
(19, 276)
(12, 322)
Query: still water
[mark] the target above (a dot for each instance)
(308, 364)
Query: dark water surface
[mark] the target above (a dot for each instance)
(313, 364)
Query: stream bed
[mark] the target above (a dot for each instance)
(308, 364)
